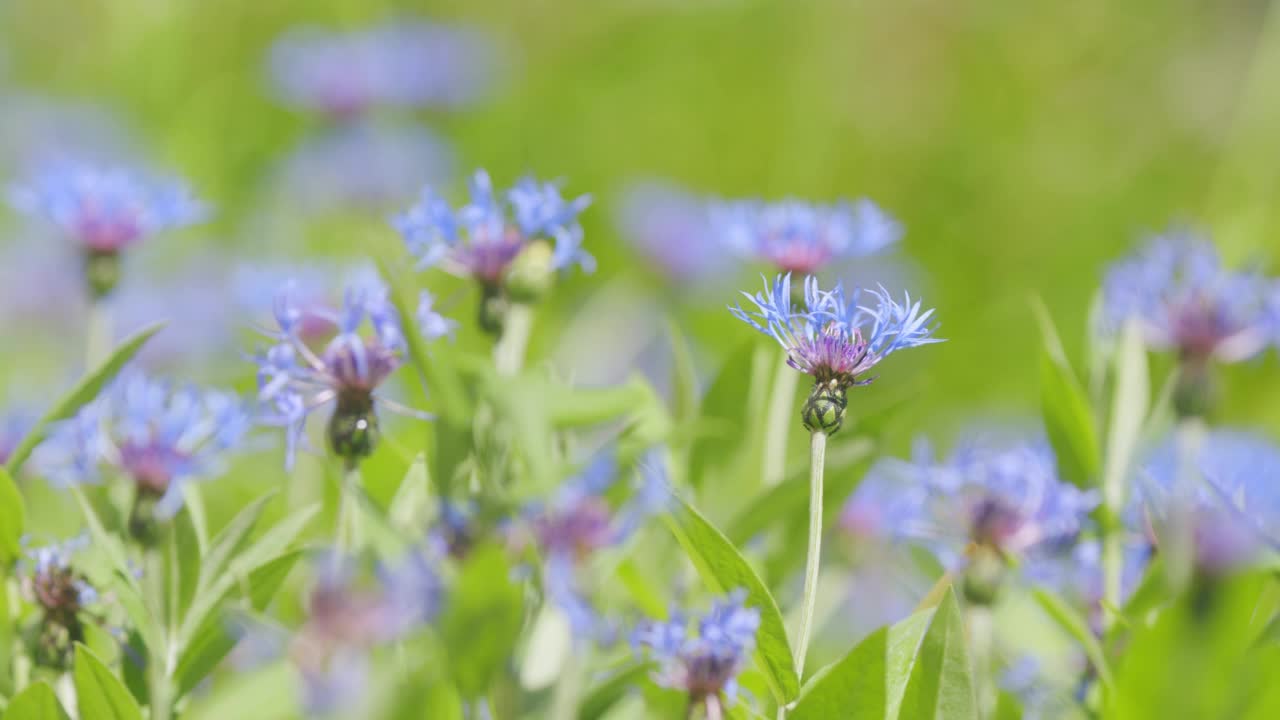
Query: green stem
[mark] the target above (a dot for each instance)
(817, 460)
(568, 690)
(508, 353)
(778, 421)
(98, 334)
(981, 644)
(156, 581)
(349, 531)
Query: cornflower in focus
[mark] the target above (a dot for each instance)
(1225, 490)
(347, 620)
(62, 593)
(399, 64)
(105, 211)
(512, 244)
(990, 502)
(296, 380)
(1185, 301)
(158, 435)
(579, 522)
(803, 238)
(704, 665)
(835, 339)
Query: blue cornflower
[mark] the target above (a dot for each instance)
(106, 209)
(999, 496)
(483, 238)
(295, 380)
(432, 324)
(364, 167)
(400, 64)
(1227, 491)
(57, 587)
(155, 433)
(704, 666)
(672, 229)
(833, 339)
(1186, 301)
(801, 237)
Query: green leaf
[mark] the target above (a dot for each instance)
(413, 506)
(871, 680)
(268, 693)
(100, 695)
(12, 520)
(84, 392)
(37, 702)
(231, 540)
(1068, 421)
(721, 430)
(214, 639)
(725, 569)
(182, 561)
(1128, 412)
(611, 689)
(1077, 627)
(482, 622)
(684, 377)
(941, 684)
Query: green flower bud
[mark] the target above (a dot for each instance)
(984, 576)
(101, 272)
(531, 274)
(493, 310)
(353, 431)
(824, 409)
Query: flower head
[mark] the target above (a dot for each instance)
(1176, 287)
(61, 593)
(157, 434)
(296, 380)
(672, 229)
(834, 338)
(706, 664)
(801, 237)
(106, 210)
(1226, 491)
(401, 64)
(483, 238)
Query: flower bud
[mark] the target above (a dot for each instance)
(353, 428)
(493, 310)
(101, 272)
(984, 576)
(532, 273)
(824, 410)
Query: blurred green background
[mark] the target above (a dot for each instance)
(1023, 144)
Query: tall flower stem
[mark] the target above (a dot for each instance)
(981, 642)
(159, 573)
(98, 335)
(817, 462)
(508, 353)
(567, 695)
(349, 530)
(778, 423)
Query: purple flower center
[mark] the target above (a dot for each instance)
(109, 231)
(152, 465)
(577, 530)
(359, 366)
(798, 255)
(487, 257)
(832, 354)
(994, 523)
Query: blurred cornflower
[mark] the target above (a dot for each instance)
(157, 434)
(500, 241)
(991, 501)
(1185, 301)
(347, 620)
(801, 237)
(1224, 488)
(579, 521)
(61, 592)
(835, 339)
(296, 380)
(397, 64)
(15, 422)
(363, 167)
(104, 211)
(704, 665)
(672, 229)
(37, 130)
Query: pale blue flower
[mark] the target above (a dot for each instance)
(800, 237)
(672, 229)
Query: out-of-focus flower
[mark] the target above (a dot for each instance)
(1176, 287)
(399, 64)
(990, 501)
(61, 592)
(104, 211)
(36, 131)
(1225, 488)
(364, 167)
(673, 230)
(800, 237)
(295, 380)
(15, 422)
(432, 324)
(483, 238)
(835, 339)
(346, 621)
(704, 665)
(157, 434)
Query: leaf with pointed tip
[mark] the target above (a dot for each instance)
(100, 695)
(37, 702)
(82, 394)
(941, 683)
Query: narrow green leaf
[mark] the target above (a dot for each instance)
(182, 561)
(482, 622)
(1068, 421)
(104, 541)
(725, 569)
(268, 693)
(228, 543)
(684, 376)
(37, 702)
(1077, 627)
(84, 392)
(100, 695)
(611, 689)
(941, 683)
(7, 628)
(129, 597)
(413, 506)
(721, 430)
(12, 520)
(871, 680)
(1128, 411)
